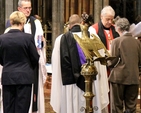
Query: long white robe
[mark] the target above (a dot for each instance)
(103, 79)
(42, 67)
(69, 98)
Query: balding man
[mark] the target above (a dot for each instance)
(67, 83)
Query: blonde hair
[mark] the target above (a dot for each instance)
(17, 18)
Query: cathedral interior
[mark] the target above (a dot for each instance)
(45, 9)
(48, 10)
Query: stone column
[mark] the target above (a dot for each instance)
(57, 19)
(97, 10)
(139, 7)
(105, 2)
(2, 17)
(8, 8)
(124, 8)
(15, 4)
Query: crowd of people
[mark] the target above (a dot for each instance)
(116, 84)
(23, 60)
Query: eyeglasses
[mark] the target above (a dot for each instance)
(25, 8)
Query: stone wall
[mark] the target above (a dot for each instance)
(2, 16)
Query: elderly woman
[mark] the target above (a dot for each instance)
(19, 57)
(124, 76)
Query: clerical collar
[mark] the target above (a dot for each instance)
(75, 28)
(105, 28)
(28, 19)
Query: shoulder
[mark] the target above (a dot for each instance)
(28, 35)
(3, 35)
(68, 36)
(95, 26)
(7, 24)
(92, 29)
(116, 40)
(7, 29)
(57, 40)
(37, 21)
(29, 38)
(33, 17)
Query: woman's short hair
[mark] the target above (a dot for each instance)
(17, 18)
(123, 24)
(107, 10)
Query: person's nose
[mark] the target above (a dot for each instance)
(110, 21)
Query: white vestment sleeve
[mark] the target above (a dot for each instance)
(92, 31)
(42, 68)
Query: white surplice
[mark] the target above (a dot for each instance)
(69, 98)
(103, 79)
(42, 66)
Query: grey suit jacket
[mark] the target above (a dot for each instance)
(125, 67)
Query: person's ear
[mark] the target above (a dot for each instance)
(101, 17)
(18, 8)
(117, 29)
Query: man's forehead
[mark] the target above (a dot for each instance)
(27, 3)
(108, 17)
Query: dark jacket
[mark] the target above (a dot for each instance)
(127, 51)
(18, 56)
(70, 61)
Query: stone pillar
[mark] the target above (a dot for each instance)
(124, 8)
(139, 7)
(2, 17)
(8, 8)
(57, 19)
(97, 10)
(105, 2)
(15, 4)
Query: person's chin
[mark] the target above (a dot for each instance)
(27, 15)
(108, 26)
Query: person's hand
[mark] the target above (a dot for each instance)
(34, 97)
